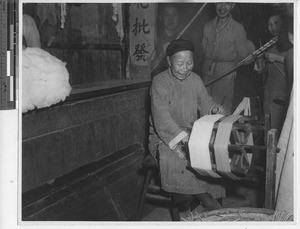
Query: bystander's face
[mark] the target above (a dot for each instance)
(275, 25)
(223, 9)
(170, 18)
(181, 64)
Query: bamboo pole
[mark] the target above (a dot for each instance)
(162, 55)
(246, 59)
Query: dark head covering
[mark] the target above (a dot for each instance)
(179, 45)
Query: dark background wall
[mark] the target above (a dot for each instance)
(89, 43)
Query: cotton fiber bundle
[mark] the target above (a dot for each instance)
(45, 79)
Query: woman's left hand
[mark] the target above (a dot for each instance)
(218, 109)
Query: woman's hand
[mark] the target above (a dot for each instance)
(218, 109)
(185, 139)
(182, 151)
(182, 148)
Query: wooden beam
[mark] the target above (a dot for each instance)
(95, 91)
(267, 120)
(270, 169)
(87, 46)
(235, 148)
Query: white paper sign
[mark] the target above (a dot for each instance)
(142, 32)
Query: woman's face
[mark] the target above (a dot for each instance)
(275, 25)
(181, 64)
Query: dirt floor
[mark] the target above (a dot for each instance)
(236, 196)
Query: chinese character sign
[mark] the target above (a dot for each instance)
(142, 32)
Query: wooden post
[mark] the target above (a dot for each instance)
(267, 127)
(270, 169)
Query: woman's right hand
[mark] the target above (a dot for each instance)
(181, 151)
(185, 139)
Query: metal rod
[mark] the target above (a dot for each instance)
(243, 126)
(242, 147)
(191, 21)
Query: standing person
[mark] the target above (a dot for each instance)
(224, 44)
(276, 85)
(289, 58)
(177, 96)
(31, 35)
(167, 32)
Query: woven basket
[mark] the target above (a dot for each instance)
(241, 214)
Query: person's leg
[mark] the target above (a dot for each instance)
(208, 201)
(181, 207)
(182, 201)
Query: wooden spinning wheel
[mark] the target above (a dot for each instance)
(231, 158)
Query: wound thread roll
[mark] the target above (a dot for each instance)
(199, 145)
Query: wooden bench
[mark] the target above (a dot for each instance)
(103, 190)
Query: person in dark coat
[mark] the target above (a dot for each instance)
(276, 86)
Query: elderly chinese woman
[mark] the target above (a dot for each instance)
(178, 97)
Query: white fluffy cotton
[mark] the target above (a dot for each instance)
(45, 79)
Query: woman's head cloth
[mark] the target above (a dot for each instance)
(179, 45)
